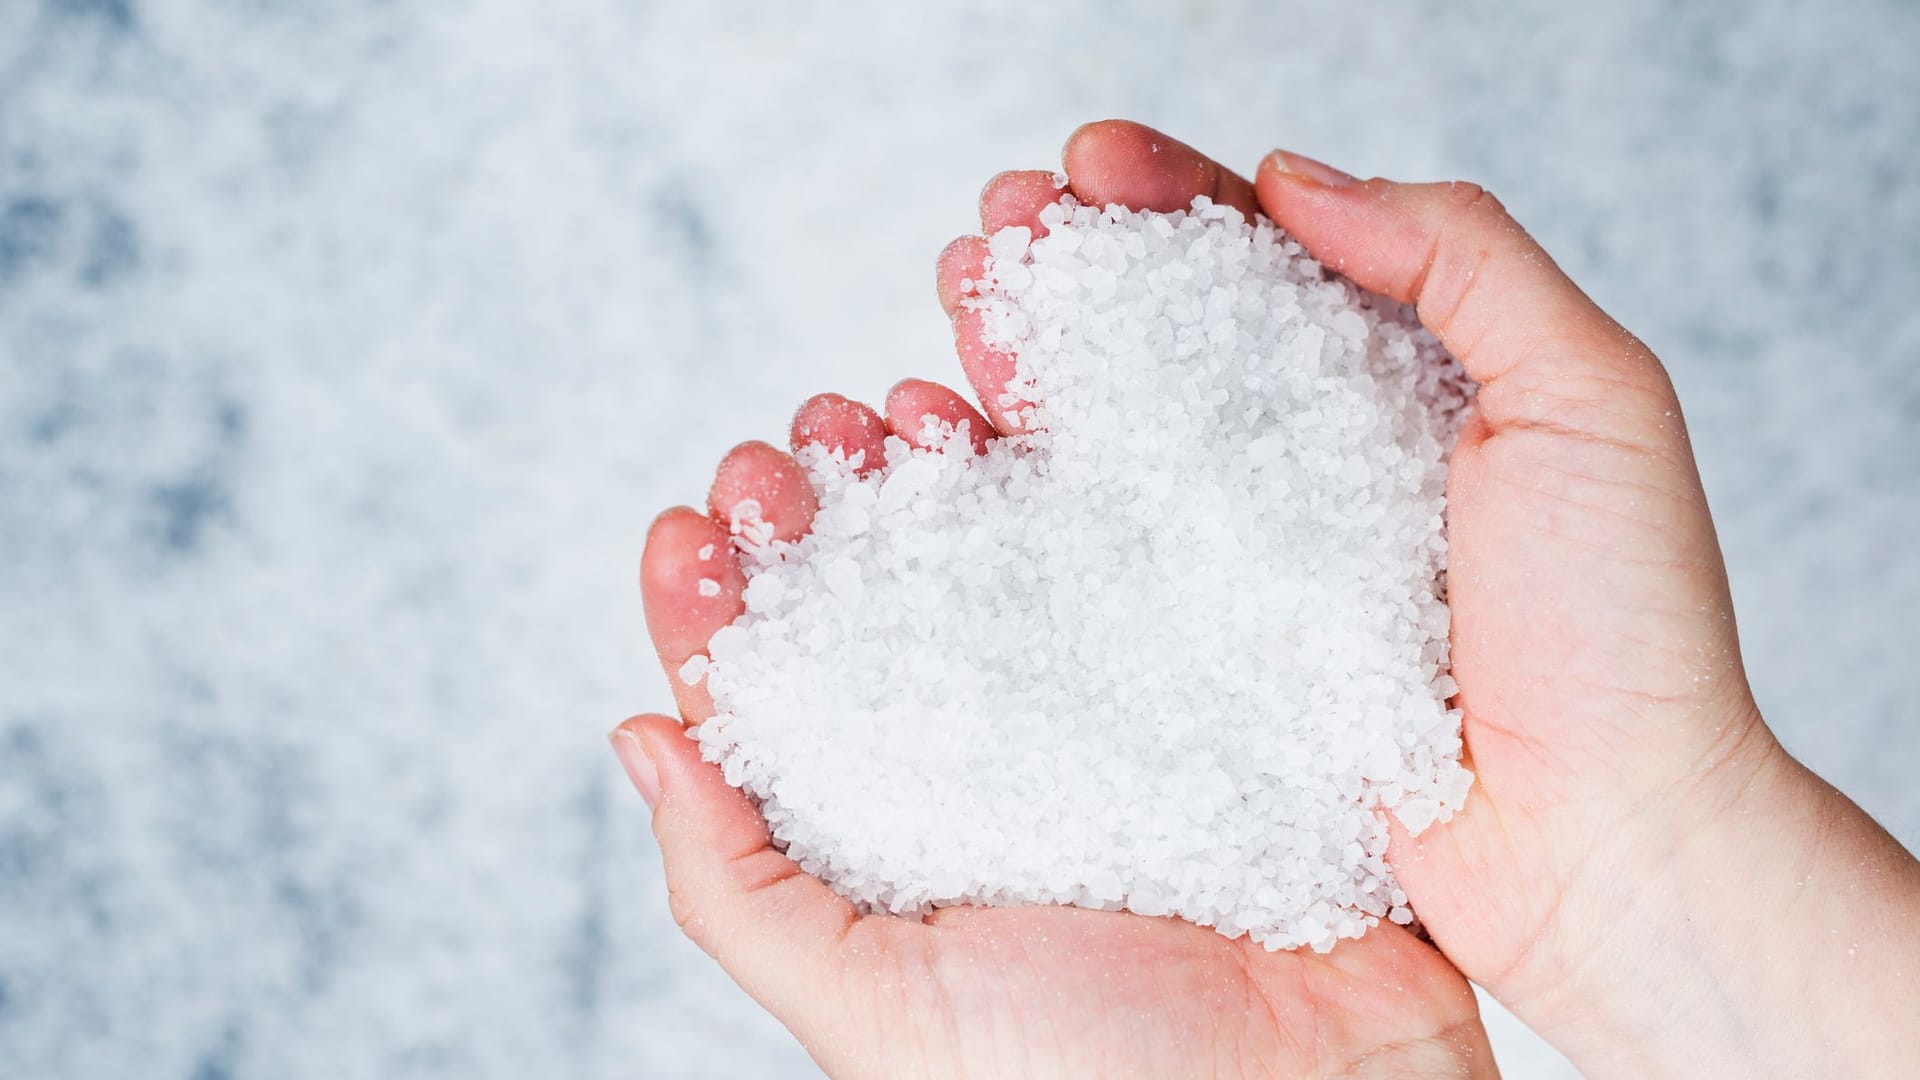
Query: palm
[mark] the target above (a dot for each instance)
(1061, 991)
(1586, 601)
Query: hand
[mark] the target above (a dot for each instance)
(1641, 872)
(1018, 992)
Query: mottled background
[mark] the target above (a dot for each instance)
(347, 348)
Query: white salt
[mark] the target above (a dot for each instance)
(1178, 651)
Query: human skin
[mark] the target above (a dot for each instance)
(1641, 873)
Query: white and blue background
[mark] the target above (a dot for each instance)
(348, 347)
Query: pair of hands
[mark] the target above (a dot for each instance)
(1641, 873)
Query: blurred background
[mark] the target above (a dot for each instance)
(347, 348)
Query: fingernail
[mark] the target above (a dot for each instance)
(640, 770)
(1306, 168)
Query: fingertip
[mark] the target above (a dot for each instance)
(649, 728)
(691, 585)
(1120, 161)
(1287, 165)
(1303, 200)
(843, 425)
(666, 517)
(957, 270)
(682, 544)
(630, 748)
(1098, 157)
(661, 740)
(1015, 198)
(1092, 134)
(683, 774)
(1272, 169)
(912, 401)
(756, 480)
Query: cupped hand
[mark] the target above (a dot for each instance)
(983, 992)
(1641, 872)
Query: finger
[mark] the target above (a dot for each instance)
(1119, 161)
(1543, 353)
(958, 270)
(1015, 199)
(776, 930)
(756, 482)
(989, 371)
(912, 401)
(854, 430)
(690, 586)
(1011, 198)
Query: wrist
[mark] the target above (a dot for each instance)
(1758, 924)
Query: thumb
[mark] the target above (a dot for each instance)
(1544, 354)
(774, 928)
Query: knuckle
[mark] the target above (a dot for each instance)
(1465, 199)
(1468, 222)
(687, 916)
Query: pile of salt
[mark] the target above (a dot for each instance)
(1177, 651)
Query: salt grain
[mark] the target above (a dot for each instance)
(1179, 651)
